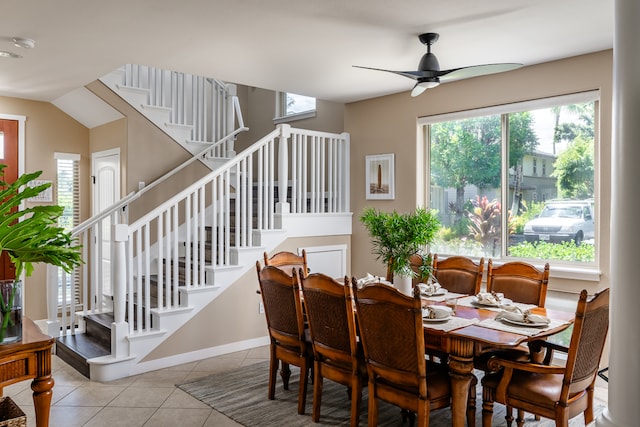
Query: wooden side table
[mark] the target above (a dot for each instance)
(26, 359)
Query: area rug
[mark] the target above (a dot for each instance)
(241, 395)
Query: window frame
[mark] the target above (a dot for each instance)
(75, 168)
(562, 269)
(282, 117)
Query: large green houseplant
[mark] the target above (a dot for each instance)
(29, 236)
(396, 237)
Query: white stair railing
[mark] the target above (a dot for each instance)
(201, 238)
(206, 105)
(183, 243)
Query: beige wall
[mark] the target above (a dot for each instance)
(48, 130)
(233, 316)
(388, 125)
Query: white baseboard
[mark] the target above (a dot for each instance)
(197, 355)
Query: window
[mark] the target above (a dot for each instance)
(68, 196)
(291, 106)
(483, 174)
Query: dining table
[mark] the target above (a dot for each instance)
(474, 328)
(30, 358)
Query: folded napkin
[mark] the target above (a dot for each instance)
(437, 312)
(429, 288)
(490, 298)
(369, 278)
(518, 315)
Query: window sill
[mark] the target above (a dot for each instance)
(586, 274)
(294, 117)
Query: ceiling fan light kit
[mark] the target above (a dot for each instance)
(429, 74)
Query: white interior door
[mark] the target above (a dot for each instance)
(105, 166)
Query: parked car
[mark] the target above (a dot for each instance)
(562, 221)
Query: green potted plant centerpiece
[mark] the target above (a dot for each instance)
(28, 236)
(397, 237)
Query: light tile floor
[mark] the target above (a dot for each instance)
(149, 399)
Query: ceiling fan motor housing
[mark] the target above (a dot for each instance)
(429, 62)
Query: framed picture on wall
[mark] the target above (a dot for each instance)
(380, 177)
(44, 196)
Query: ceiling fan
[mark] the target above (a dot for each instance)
(429, 74)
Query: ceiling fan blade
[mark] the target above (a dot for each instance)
(475, 71)
(429, 74)
(415, 75)
(417, 90)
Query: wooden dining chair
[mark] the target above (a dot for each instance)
(289, 340)
(392, 336)
(332, 326)
(459, 274)
(288, 261)
(519, 281)
(555, 392)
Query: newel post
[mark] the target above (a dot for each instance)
(119, 327)
(282, 206)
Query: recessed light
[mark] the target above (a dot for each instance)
(5, 54)
(24, 43)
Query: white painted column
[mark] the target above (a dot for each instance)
(624, 369)
(119, 327)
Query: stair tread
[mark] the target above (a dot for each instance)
(84, 345)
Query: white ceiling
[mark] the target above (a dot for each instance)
(301, 46)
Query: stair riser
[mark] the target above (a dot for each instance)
(98, 331)
(73, 359)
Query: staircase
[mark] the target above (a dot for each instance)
(195, 111)
(180, 256)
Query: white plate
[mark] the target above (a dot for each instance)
(529, 324)
(503, 301)
(441, 291)
(443, 319)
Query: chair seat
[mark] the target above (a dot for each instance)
(438, 390)
(439, 382)
(542, 390)
(346, 366)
